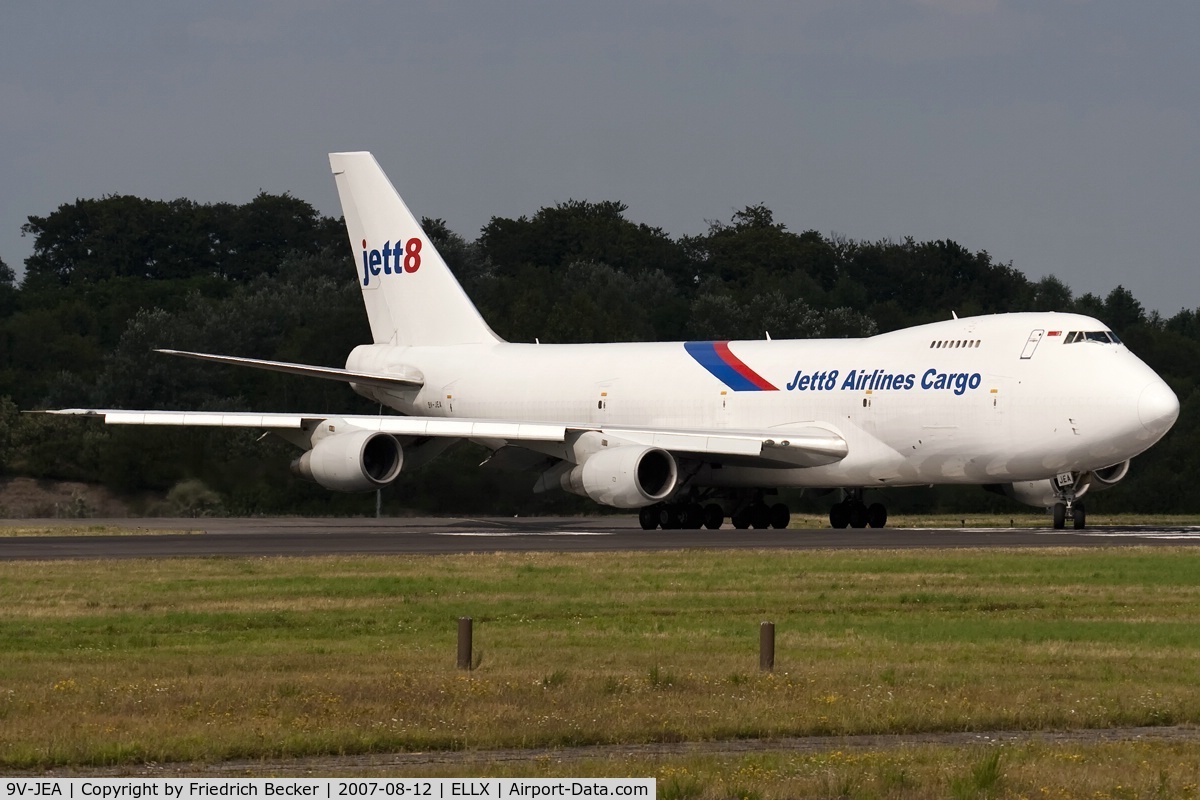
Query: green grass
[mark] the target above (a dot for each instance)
(211, 659)
(1031, 770)
(1019, 518)
(32, 528)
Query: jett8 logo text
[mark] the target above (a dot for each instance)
(390, 260)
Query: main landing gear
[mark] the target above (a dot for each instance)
(853, 512)
(693, 516)
(760, 515)
(676, 516)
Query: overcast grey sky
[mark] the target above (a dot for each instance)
(1059, 135)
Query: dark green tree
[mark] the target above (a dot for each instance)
(1051, 294)
(597, 303)
(1122, 311)
(753, 249)
(8, 290)
(577, 230)
(255, 238)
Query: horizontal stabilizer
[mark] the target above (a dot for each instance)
(408, 379)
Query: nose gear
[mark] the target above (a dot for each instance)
(1068, 489)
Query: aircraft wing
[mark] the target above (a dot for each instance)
(409, 379)
(806, 445)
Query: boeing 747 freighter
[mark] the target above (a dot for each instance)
(1043, 407)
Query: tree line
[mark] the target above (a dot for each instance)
(111, 279)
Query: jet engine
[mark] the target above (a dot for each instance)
(1109, 476)
(1045, 493)
(630, 476)
(357, 461)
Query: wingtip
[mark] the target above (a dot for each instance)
(66, 412)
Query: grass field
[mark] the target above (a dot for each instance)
(1035, 770)
(33, 528)
(212, 659)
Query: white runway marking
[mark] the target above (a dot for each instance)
(1191, 534)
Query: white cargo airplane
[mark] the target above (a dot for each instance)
(1042, 407)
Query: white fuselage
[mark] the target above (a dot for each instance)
(970, 400)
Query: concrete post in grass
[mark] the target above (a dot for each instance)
(766, 646)
(464, 642)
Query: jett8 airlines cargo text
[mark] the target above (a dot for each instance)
(1042, 407)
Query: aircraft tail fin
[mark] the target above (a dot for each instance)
(412, 297)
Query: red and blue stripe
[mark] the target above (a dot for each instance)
(718, 359)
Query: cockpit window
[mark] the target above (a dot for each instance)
(1103, 337)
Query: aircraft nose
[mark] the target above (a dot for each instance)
(1158, 407)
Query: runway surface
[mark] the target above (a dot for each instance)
(296, 536)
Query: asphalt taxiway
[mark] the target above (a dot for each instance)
(300, 536)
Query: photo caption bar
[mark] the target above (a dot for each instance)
(326, 788)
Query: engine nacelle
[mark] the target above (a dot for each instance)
(356, 461)
(1044, 493)
(631, 476)
(1109, 476)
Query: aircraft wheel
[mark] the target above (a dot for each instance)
(858, 515)
(1078, 516)
(741, 519)
(1060, 516)
(877, 515)
(669, 517)
(839, 514)
(693, 514)
(781, 516)
(648, 516)
(760, 516)
(714, 516)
